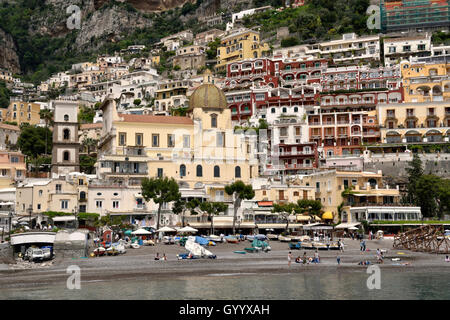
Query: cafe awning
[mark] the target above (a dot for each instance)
(347, 225)
(64, 218)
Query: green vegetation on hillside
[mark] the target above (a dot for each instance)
(5, 93)
(317, 20)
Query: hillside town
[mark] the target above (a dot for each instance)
(333, 124)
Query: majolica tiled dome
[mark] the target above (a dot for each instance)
(207, 96)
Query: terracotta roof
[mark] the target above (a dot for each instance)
(91, 126)
(156, 119)
(9, 127)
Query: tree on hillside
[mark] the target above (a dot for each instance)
(47, 116)
(313, 207)
(415, 171)
(240, 191)
(32, 140)
(160, 190)
(432, 195)
(86, 114)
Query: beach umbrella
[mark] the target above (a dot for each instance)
(166, 229)
(353, 228)
(187, 229)
(141, 232)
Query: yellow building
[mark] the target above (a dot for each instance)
(171, 94)
(426, 82)
(200, 151)
(241, 45)
(21, 112)
(62, 195)
(368, 190)
(414, 122)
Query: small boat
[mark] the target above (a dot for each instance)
(111, 251)
(168, 240)
(295, 238)
(135, 245)
(215, 238)
(241, 252)
(307, 245)
(250, 238)
(320, 246)
(149, 242)
(231, 239)
(284, 239)
(100, 251)
(272, 236)
(252, 250)
(295, 246)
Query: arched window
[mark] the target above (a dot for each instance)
(214, 121)
(66, 117)
(199, 171)
(182, 170)
(216, 172)
(66, 156)
(295, 109)
(237, 172)
(82, 195)
(66, 133)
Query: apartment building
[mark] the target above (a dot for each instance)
(425, 82)
(171, 94)
(300, 71)
(259, 71)
(415, 122)
(12, 168)
(242, 44)
(350, 50)
(369, 200)
(6, 75)
(22, 112)
(8, 135)
(190, 58)
(203, 38)
(398, 49)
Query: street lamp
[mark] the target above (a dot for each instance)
(10, 214)
(30, 211)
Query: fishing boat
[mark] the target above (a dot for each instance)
(307, 245)
(320, 246)
(284, 239)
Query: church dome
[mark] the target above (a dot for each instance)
(207, 96)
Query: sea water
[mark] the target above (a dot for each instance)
(298, 286)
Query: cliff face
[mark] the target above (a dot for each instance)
(8, 53)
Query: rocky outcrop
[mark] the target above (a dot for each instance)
(8, 53)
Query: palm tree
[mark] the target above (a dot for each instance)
(47, 116)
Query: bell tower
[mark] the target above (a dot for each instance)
(65, 158)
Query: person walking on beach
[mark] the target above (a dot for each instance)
(338, 258)
(364, 245)
(164, 257)
(289, 259)
(361, 245)
(157, 256)
(316, 257)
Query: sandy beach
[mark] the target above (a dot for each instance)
(140, 262)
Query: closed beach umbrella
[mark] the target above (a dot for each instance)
(166, 229)
(187, 229)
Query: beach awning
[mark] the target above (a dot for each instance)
(347, 225)
(327, 215)
(64, 218)
(265, 203)
(165, 229)
(141, 232)
(301, 217)
(6, 203)
(187, 229)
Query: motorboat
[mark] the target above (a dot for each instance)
(320, 246)
(284, 239)
(112, 251)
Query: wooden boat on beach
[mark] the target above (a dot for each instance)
(231, 239)
(272, 236)
(307, 245)
(284, 239)
(100, 251)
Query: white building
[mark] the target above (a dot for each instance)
(398, 49)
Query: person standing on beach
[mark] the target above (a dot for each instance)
(364, 245)
(338, 258)
(316, 257)
(289, 259)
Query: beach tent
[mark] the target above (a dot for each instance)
(141, 232)
(166, 229)
(187, 229)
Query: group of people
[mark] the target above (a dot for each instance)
(157, 257)
(305, 259)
